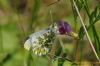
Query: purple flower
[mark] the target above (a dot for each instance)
(64, 27)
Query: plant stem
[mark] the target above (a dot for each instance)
(86, 31)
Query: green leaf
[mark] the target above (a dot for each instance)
(60, 62)
(81, 32)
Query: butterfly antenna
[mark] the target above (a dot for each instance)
(53, 24)
(51, 16)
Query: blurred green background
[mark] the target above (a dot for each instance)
(19, 18)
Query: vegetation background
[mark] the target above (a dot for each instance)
(20, 18)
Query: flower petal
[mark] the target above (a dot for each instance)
(64, 27)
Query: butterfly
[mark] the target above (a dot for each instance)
(40, 42)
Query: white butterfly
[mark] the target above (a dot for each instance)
(40, 41)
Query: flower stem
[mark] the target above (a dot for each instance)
(81, 20)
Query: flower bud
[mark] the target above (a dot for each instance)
(64, 27)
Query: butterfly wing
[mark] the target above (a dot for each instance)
(27, 44)
(32, 41)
